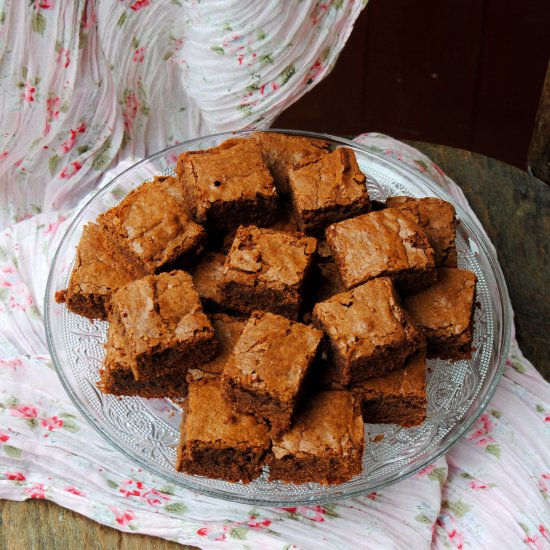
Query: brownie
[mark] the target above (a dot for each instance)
(398, 397)
(438, 219)
(165, 327)
(265, 374)
(217, 441)
(228, 330)
(116, 376)
(368, 331)
(283, 152)
(387, 243)
(151, 227)
(265, 270)
(207, 277)
(328, 281)
(97, 273)
(445, 313)
(328, 190)
(228, 185)
(325, 443)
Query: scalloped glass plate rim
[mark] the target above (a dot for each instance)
(429, 454)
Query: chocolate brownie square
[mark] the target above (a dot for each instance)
(165, 327)
(387, 243)
(228, 330)
(438, 219)
(328, 190)
(265, 270)
(151, 227)
(369, 332)
(265, 374)
(445, 313)
(283, 152)
(207, 277)
(217, 441)
(97, 273)
(228, 185)
(116, 376)
(398, 397)
(325, 443)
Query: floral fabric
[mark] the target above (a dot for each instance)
(85, 78)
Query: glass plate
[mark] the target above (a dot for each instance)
(146, 431)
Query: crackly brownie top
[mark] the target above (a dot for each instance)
(210, 419)
(153, 223)
(365, 318)
(438, 219)
(408, 381)
(446, 306)
(333, 180)
(232, 171)
(159, 310)
(327, 423)
(275, 258)
(228, 331)
(273, 355)
(95, 269)
(378, 243)
(282, 152)
(207, 276)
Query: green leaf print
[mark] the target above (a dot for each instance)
(517, 365)
(423, 518)
(330, 511)
(135, 42)
(24, 72)
(466, 475)
(121, 19)
(493, 449)
(337, 4)
(32, 423)
(260, 35)
(176, 3)
(4, 294)
(167, 55)
(13, 452)
(495, 413)
(266, 59)
(112, 484)
(12, 401)
(70, 425)
(3, 253)
(38, 23)
(167, 490)
(438, 474)
(287, 74)
(176, 508)
(218, 49)
(227, 26)
(539, 408)
(102, 157)
(2, 17)
(458, 507)
(238, 533)
(52, 163)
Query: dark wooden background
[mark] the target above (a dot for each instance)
(465, 73)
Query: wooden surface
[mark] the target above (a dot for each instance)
(538, 159)
(513, 206)
(42, 525)
(467, 74)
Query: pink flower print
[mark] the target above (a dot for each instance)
(10, 363)
(20, 299)
(28, 92)
(14, 476)
(63, 57)
(88, 21)
(36, 491)
(481, 435)
(69, 171)
(3, 155)
(123, 517)
(314, 513)
(68, 144)
(315, 70)
(214, 534)
(139, 5)
(258, 524)
(373, 495)
(24, 411)
(129, 113)
(4, 437)
(426, 470)
(543, 484)
(139, 54)
(535, 542)
(46, 4)
(52, 227)
(75, 491)
(131, 488)
(52, 423)
(456, 538)
(543, 531)
(478, 485)
(154, 498)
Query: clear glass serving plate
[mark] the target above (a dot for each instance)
(146, 431)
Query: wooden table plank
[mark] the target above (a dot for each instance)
(514, 208)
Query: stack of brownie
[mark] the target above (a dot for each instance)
(261, 284)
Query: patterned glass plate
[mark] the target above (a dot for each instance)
(146, 431)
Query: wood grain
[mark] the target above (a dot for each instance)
(514, 208)
(43, 525)
(538, 159)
